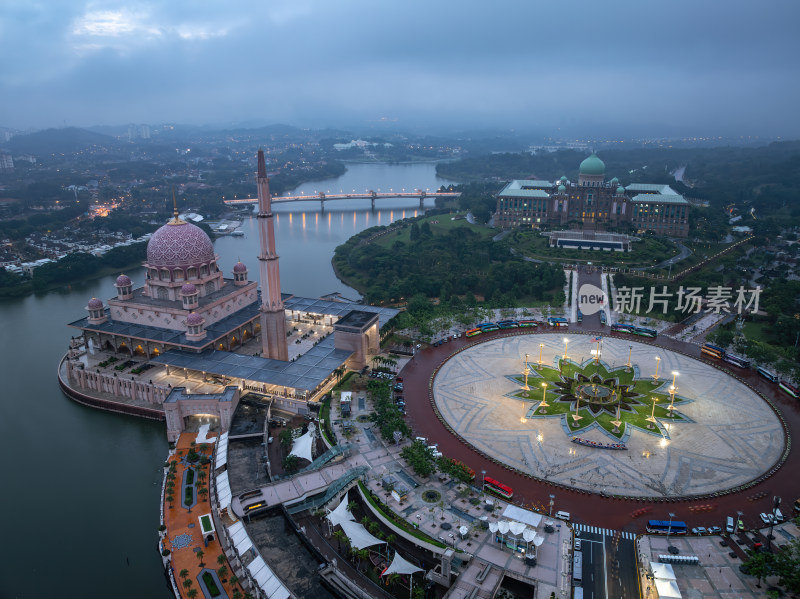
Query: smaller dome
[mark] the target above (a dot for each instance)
(620, 190)
(563, 178)
(239, 267)
(561, 189)
(95, 304)
(188, 289)
(592, 166)
(614, 181)
(194, 319)
(123, 281)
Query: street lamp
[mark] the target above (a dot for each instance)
(652, 420)
(669, 530)
(552, 497)
(483, 478)
(776, 501)
(566, 344)
(655, 376)
(628, 365)
(544, 403)
(526, 372)
(541, 347)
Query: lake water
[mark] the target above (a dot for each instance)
(81, 487)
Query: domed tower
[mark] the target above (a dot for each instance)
(239, 274)
(124, 287)
(592, 171)
(195, 329)
(189, 296)
(97, 311)
(180, 253)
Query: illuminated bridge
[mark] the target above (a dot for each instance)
(323, 197)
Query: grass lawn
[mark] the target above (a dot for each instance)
(756, 331)
(211, 585)
(439, 223)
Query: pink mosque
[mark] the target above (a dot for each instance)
(189, 320)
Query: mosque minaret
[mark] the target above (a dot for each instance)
(273, 318)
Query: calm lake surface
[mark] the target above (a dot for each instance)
(81, 488)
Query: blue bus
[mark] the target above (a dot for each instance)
(676, 527)
(622, 328)
(645, 332)
(555, 321)
(713, 350)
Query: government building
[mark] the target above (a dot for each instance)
(593, 204)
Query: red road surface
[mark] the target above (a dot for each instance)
(591, 508)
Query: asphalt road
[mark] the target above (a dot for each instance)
(609, 563)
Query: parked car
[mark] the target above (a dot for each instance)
(766, 518)
(699, 530)
(577, 544)
(714, 530)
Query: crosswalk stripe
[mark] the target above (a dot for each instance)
(605, 531)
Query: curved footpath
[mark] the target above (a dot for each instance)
(594, 509)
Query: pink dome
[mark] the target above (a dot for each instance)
(239, 267)
(194, 319)
(95, 304)
(123, 281)
(188, 289)
(179, 245)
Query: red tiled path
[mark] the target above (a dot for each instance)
(594, 509)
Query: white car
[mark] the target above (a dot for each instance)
(700, 530)
(766, 518)
(577, 544)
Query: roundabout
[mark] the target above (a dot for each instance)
(696, 432)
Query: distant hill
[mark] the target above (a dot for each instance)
(49, 141)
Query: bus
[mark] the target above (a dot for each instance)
(676, 527)
(580, 316)
(490, 485)
(484, 324)
(577, 569)
(789, 388)
(473, 332)
(618, 327)
(736, 360)
(770, 376)
(555, 321)
(489, 328)
(645, 332)
(528, 323)
(603, 317)
(508, 324)
(713, 350)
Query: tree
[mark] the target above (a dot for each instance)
(237, 594)
(285, 438)
(352, 505)
(233, 579)
(191, 593)
(221, 559)
(170, 499)
(184, 573)
(200, 555)
(290, 463)
(187, 584)
(222, 571)
(340, 537)
(760, 564)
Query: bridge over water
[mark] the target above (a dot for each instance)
(322, 197)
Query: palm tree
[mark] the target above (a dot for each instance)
(221, 559)
(237, 594)
(187, 584)
(374, 527)
(203, 492)
(183, 573)
(391, 539)
(352, 505)
(170, 498)
(200, 555)
(222, 571)
(191, 593)
(233, 579)
(365, 521)
(340, 536)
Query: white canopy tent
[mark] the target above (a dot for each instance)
(221, 457)
(512, 512)
(400, 566)
(663, 571)
(241, 541)
(302, 446)
(358, 535)
(224, 490)
(667, 589)
(266, 579)
(340, 514)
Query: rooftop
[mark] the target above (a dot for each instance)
(357, 319)
(652, 188)
(651, 198)
(525, 188)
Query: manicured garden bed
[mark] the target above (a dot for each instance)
(211, 584)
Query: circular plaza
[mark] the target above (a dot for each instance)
(635, 420)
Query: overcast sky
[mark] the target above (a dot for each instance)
(710, 67)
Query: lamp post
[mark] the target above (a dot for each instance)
(628, 365)
(526, 372)
(544, 403)
(541, 346)
(672, 391)
(669, 531)
(483, 479)
(776, 501)
(655, 376)
(618, 421)
(652, 420)
(576, 416)
(552, 497)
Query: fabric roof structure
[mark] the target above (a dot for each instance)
(516, 528)
(302, 446)
(358, 535)
(512, 512)
(400, 566)
(224, 490)
(667, 589)
(663, 571)
(529, 535)
(241, 541)
(334, 308)
(341, 513)
(221, 457)
(266, 579)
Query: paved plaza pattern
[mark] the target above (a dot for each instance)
(732, 437)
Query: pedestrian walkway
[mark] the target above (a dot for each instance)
(604, 531)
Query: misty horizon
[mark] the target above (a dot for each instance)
(621, 68)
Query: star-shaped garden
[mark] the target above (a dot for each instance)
(590, 395)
